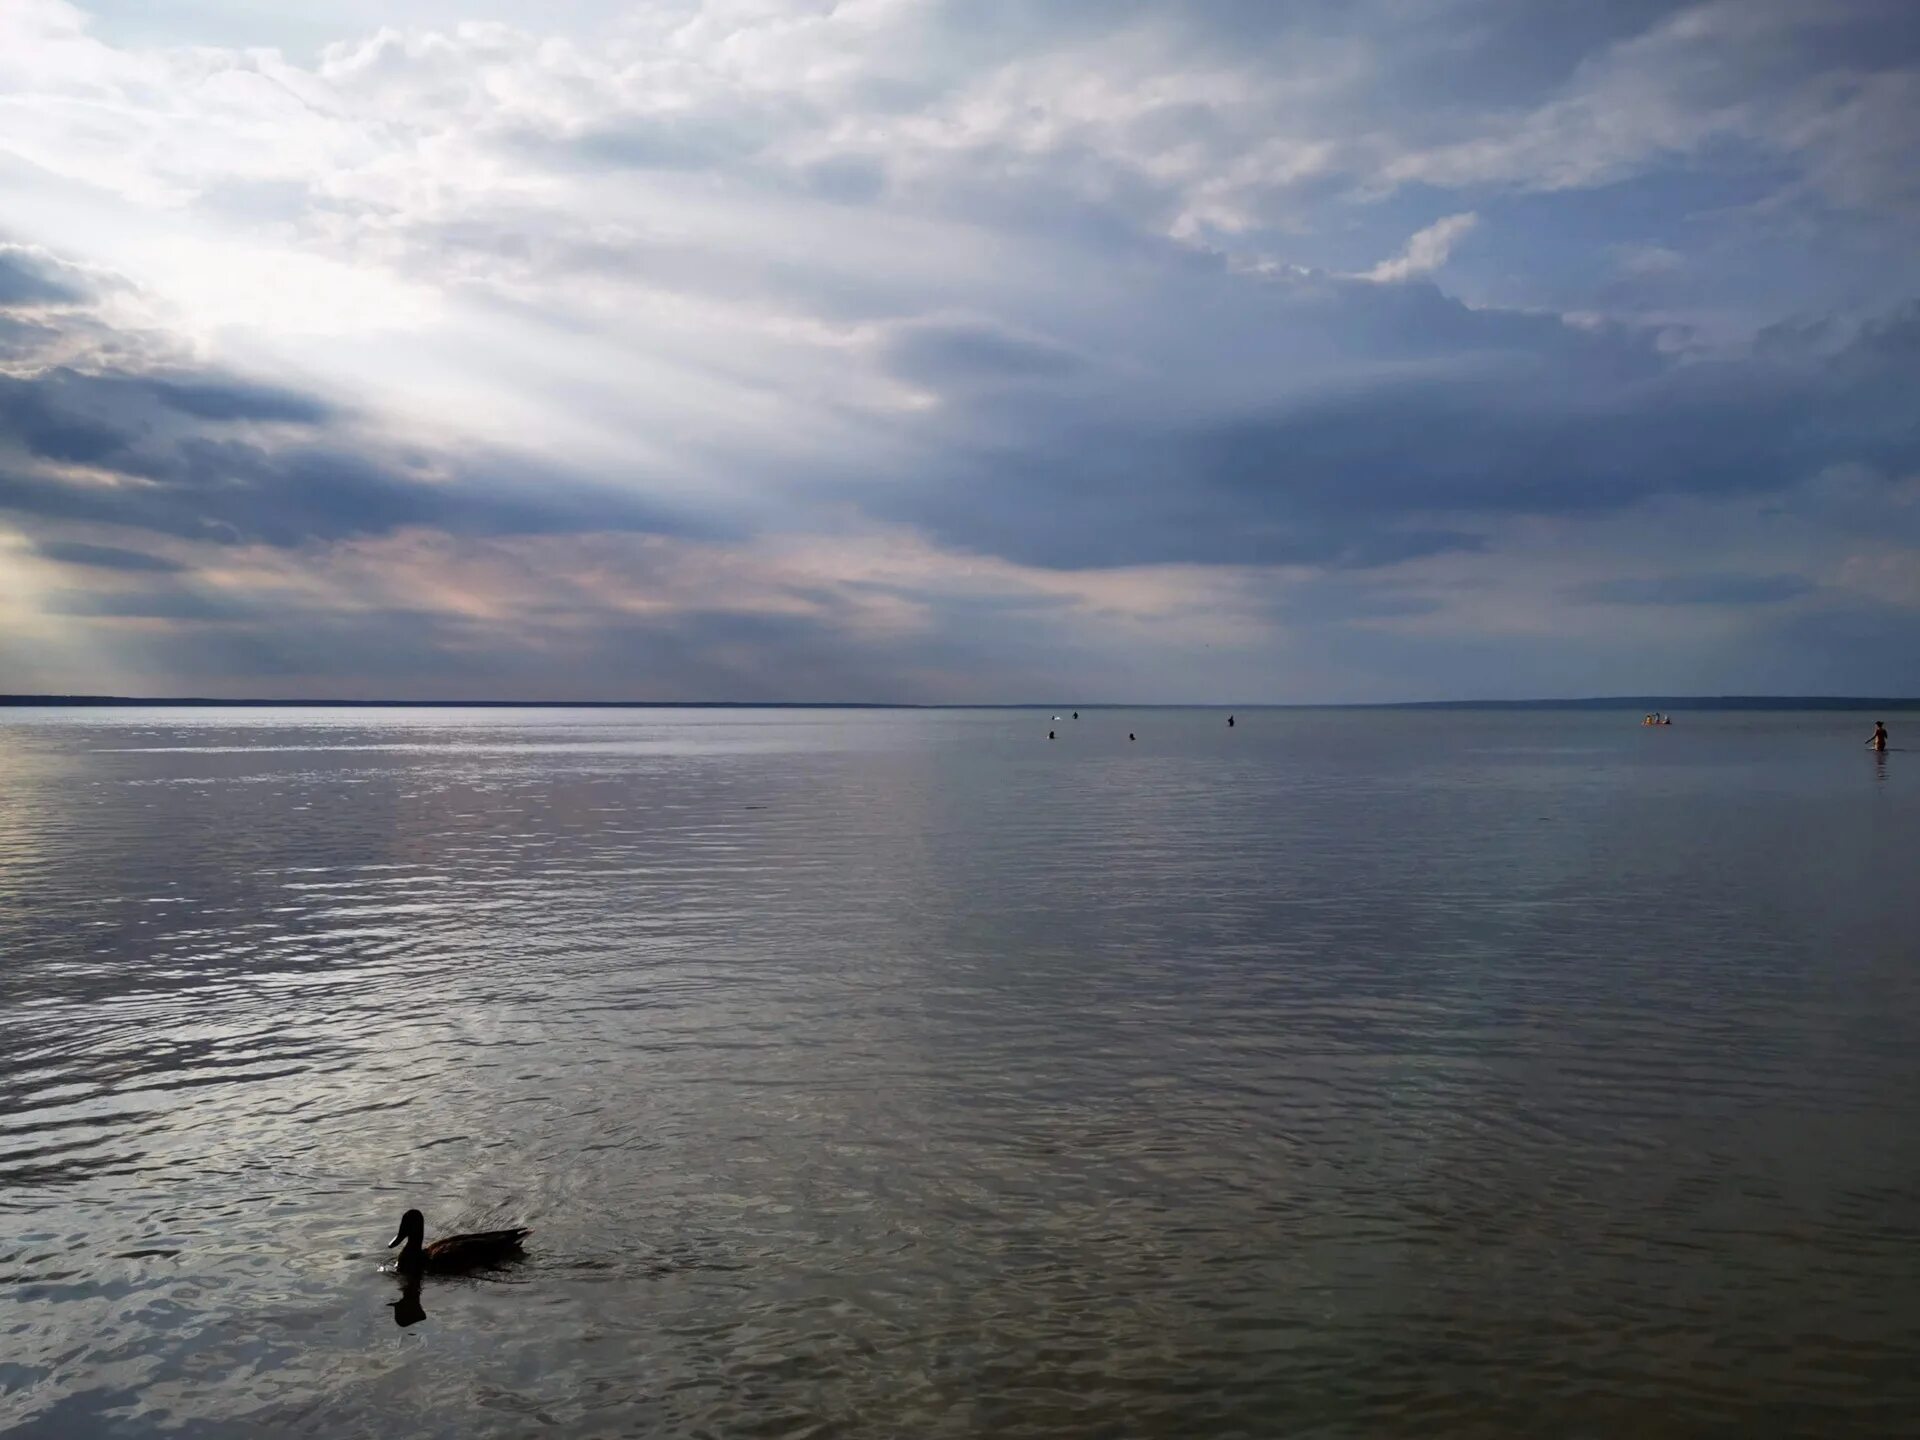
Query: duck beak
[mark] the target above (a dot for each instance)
(396, 1239)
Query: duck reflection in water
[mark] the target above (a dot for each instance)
(408, 1310)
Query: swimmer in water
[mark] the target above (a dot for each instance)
(1878, 740)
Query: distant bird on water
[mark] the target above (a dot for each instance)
(1229, 722)
(1049, 734)
(1129, 734)
(451, 1254)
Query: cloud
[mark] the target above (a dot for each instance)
(1403, 458)
(223, 399)
(105, 557)
(206, 486)
(178, 604)
(1701, 589)
(1818, 87)
(1645, 259)
(1426, 251)
(590, 330)
(873, 615)
(943, 351)
(199, 453)
(30, 277)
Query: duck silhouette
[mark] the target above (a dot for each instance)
(452, 1254)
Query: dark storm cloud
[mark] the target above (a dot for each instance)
(32, 417)
(111, 409)
(1532, 418)
(235, 400)
(1435, 420)
(205, 455)
(234, 491)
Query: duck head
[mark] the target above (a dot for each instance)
(413, 1231)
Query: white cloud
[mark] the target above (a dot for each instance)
(1643, 260)
(1426, 250)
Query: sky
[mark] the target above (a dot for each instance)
(960, 350)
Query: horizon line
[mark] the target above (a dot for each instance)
(1654, 701)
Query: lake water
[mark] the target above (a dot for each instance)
(907, 1074)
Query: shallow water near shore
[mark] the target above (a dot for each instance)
(875, 1073)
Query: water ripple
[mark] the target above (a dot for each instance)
(878, 1074)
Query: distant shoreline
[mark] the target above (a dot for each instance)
(1667, 703)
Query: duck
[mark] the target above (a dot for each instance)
(452, 1253)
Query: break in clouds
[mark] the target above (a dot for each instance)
(928, 350)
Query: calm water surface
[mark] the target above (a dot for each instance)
(905, 1074)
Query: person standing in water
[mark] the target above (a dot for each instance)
(1878, 740)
